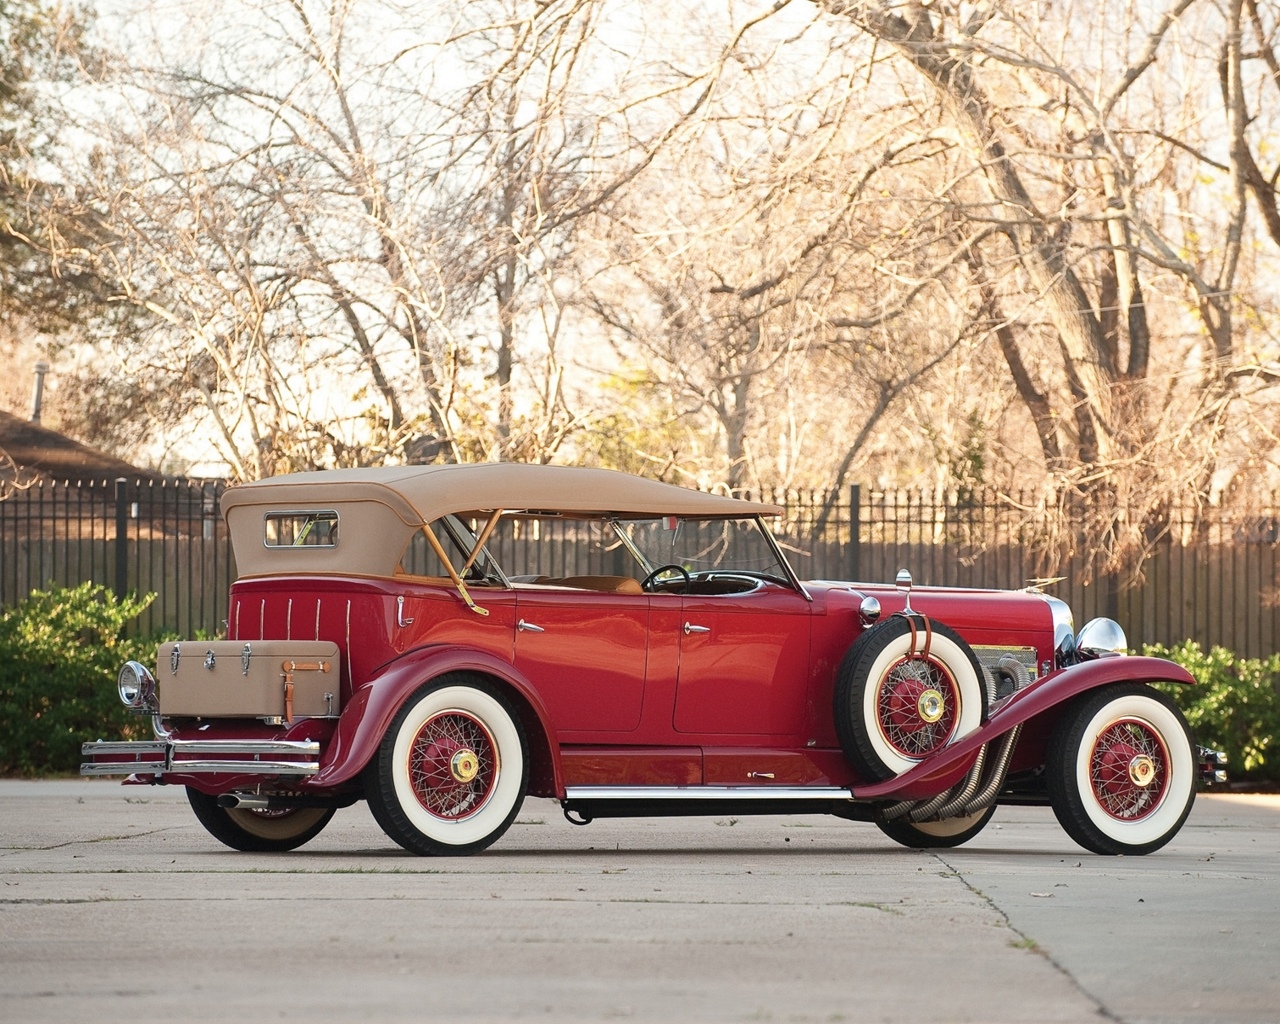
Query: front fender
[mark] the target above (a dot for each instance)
(369, 712)
(934, 773)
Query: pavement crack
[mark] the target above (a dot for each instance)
(83, 842)
(1025, 941)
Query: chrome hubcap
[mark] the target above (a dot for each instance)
(930, 706)
(1142, 770)
(464, 765)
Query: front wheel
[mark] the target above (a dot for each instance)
(1121, 770)
(258, 831)
(451, 771)
(935, 835)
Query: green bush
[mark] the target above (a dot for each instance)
(1235, 707)
(60, 651)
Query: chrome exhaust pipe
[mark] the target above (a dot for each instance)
(245, 802)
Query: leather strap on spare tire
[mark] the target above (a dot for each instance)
(906, 688)
(923, 651)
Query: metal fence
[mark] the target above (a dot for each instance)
(1211, 577)
(164, 537)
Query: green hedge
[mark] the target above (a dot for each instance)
(60, 651)
(1235, 707)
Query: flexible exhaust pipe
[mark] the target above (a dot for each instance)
(992, 789)
(970, 787)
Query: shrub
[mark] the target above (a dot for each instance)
(1235, 707)
(60, 650)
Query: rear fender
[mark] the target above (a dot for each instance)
(1044, 697)
(368, 714)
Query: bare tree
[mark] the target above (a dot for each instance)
(1067, 154)
(362, 195)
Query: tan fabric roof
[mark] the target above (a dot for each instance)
(422, 494)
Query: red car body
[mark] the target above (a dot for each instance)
(711, 687)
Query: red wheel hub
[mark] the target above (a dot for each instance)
(1129, 769)
(917, 703)
(453, 765)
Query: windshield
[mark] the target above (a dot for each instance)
(701, 545)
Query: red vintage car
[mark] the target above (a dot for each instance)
(442, 641)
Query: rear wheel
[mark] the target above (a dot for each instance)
(451, 772)
(1121, 770)
(931, 835)
(258, 831)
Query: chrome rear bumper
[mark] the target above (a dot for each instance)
(1211, 765)
(201, 757)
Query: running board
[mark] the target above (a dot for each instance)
(591, 802)
(647, 793)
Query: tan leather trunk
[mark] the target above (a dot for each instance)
(283, 679)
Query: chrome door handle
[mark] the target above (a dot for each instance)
(401, 621)
(529, 627)
(689, 627)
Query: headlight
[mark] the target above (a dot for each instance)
(137, 687)
(1102, 636)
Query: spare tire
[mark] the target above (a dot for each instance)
(905, 689)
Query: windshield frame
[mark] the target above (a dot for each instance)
(789, 577)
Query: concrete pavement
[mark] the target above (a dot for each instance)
(115, 905)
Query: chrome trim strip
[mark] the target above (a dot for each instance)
(233, 760)
(350, 674)
(241, 768)
(138, 747)
(314, 515)
(772, 541)
(122, 768)
(246, 747)
(200, 768)
(707, 793)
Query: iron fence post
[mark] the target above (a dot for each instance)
(855, 532)
(122, 537)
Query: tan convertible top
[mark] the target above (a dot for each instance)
(422, 494)
(380, 509)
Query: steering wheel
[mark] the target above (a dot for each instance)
(648, 584)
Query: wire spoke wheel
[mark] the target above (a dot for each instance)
(916, 705)
(900, 697)
(1129, 769)
(1121, 770)
(453, 765)
(452, 769)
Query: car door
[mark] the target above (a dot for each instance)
(744, 664)
(584, 651)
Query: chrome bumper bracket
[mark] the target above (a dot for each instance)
(220, 757)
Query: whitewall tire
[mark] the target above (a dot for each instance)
(1121, 770)
(902, 695)
(451, 772)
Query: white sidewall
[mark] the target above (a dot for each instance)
(948, 827)
(288, 826)
(1181, 770)
(944, 650)
(506, 789)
